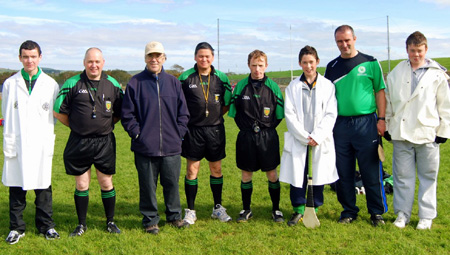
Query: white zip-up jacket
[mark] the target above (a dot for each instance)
(421, 116)
(28, 132)
(296, 139)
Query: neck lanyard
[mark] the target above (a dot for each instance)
(205, 94)
(89, 87)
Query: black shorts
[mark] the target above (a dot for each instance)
(204, 142)
(256, 151)
(81, 153)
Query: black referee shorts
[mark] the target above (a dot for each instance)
(83, 152)
(204, 142)
(256, 151)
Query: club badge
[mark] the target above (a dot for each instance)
(45, 106)
(266, 112)
(108, 105)
(217, 97)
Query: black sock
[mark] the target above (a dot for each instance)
(109, 203)
(81, 204)
(246, 190)
(190, 188)
(274, 191)
(216, 184)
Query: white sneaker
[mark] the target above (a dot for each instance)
(14, 236)
(220, 213)
(190, 216)
(402, 220)
(424, 224)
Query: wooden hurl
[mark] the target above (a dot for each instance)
(310, 219)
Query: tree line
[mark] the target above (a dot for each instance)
(120, 75)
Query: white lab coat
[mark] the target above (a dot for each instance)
(28, 132)
(421, 116)
(296, 139)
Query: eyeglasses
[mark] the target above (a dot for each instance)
(157, 56)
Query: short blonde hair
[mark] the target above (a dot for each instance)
(256, 54)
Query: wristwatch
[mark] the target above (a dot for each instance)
(381, 118)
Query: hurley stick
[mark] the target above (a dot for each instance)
(310, 219)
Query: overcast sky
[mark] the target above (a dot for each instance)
(65, 29)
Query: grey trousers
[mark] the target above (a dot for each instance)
(406, 157)
(149, 168)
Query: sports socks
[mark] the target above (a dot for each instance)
(274, 191)
(246, 190)
(300, 209)
(190, 188)
(216, 184)
(109, 203)
(81, 204)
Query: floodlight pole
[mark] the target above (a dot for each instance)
(290, 45)
(388, 48)
(218, 47)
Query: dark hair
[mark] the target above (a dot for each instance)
(307, 50)
(416, 38)
(29, 45)
(344, 28)
(204, 45)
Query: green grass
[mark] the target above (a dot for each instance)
(259, 236)
(287, 74)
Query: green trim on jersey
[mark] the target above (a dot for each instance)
(224, 78)
(186, 74)
(355, 91)
(72, 82)
(279, 110)
(115, 83)
(66, 87)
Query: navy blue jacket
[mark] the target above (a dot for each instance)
(154, 108)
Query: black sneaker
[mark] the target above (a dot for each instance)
(14, 237)
(295, 219)
(244, 216)
(112, 228)
(79, 230)
(152, 229)
(346, 220)
(178, 223)
(277, 216)
(51, 234)
(377, 220)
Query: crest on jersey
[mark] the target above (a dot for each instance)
(266, 112)
(108, 105)
(362, 70)
(217, 97)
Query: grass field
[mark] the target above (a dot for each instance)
(297, 71)
(259, 236)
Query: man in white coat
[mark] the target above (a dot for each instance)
(28, 142)
(418, 120)
(310, 110)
